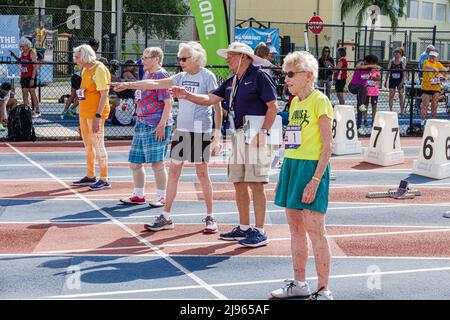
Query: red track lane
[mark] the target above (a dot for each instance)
(193, 191)
(189, 240)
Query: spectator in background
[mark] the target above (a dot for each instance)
(325, 76)
(358, 85)
(424, 57)
(431, 87)
(72, 102)
(263, 51)
(396, 77)
(128, 73)
(28, 75)
(114, 69)
(40, 42)
(94, 43)
(273, 55)
(340, 76)
(373, 92)
(7, 103)
(403, 54)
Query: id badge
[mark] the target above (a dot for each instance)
(138, 95)
(80, 94)
(371, 83)
(293, 137)
(396, 76)
(434, 81)
(365, 76)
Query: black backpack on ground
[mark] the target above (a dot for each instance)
(20, 124)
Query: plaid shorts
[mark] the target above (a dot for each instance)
(145, 148)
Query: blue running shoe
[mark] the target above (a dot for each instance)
(236, 234)
(100, 185)
(85, 181)
(254, 239)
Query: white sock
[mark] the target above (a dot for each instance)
(166, 215)
(244, 227)
(161, 193)
(261, 230)
(139, 192)
(209, 214)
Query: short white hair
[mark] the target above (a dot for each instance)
(87, 54)
(25, 42)
(197, 51)
(302, 60)
(154, 52)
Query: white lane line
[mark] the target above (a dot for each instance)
(162, 254)
(247, 283)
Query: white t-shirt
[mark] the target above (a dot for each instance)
(192, 117)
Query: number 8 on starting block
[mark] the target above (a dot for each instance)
(434, 156)
(345, 137)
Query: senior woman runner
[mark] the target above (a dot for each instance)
(304, 177)
(194, 139)
(152, 132)
(94, 109)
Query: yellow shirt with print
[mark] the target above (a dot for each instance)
(306, 113)
(428, 76)
(93, 80)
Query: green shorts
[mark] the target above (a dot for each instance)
(294, 176)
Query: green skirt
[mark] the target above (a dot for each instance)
(294, 176)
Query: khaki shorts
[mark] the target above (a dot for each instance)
(248, 163)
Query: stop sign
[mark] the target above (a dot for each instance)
(315, 24)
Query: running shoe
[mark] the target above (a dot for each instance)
(321, 294)
(254, 239)
(235, 234)
(292, 289)
(160, 223)
(85, 181)
(100, 185)
(133, 200)
(211, 225)
(158, 202)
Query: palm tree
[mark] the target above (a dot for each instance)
(393, 9)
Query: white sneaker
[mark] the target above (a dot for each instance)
(321, 295)
(158, 202)
(291, 290)
(36, 115)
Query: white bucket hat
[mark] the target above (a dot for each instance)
(240, 47)
(434, 54)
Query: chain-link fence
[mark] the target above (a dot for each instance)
(59, 120)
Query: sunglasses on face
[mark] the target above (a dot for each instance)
(291, 74)
(182, 59)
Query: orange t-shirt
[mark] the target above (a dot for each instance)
(94, 80)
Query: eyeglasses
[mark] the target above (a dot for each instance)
(291, 74)
(182, 59)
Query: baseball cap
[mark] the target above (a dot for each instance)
(431, 47)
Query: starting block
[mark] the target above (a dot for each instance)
(434, 156)
(345, 137)
(402, 192)
(384, 145)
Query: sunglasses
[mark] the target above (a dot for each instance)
(291, 74)
(182, 59)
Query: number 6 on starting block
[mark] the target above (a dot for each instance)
(345, 137)
(434, 156)
(384, 145)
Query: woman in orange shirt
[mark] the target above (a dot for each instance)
(94, 109)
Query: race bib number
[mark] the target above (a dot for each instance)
(80, 94)
(293, 137)
(434, 81)
(365, 76)
(396, 76)
(24, 69)
(138, 95)
(371, 83)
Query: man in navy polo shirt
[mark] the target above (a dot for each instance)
(250, 91)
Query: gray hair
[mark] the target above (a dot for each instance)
(198, 53)
(25, 42)
(154, 52)
(87, 54)
(302, 60)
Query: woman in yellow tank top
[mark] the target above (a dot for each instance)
(94, 109)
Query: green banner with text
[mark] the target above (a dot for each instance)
(211, 21)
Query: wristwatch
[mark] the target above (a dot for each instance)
(265, 131)
(98, 115)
